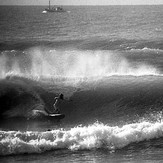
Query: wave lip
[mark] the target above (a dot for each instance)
(78, 138)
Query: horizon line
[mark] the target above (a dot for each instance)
(86, 5)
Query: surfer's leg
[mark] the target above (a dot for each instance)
(57, 111)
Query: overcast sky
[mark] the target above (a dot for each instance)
(80, 2)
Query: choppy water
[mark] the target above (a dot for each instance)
(107, 61)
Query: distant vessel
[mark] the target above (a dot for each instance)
(54, 9)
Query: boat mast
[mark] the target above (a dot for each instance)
(49, 4)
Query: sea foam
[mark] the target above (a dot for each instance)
(90, 137)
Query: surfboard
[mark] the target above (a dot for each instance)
(57, 116)
(39, 114)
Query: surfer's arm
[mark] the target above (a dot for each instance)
(55, 98)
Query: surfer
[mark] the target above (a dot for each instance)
(57, 103)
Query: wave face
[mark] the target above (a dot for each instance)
(91, 98)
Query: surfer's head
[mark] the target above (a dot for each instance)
(61, 96)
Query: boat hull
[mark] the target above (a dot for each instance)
(53, 10)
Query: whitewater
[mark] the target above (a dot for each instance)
(79, 138)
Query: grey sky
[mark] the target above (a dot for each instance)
(81, 2)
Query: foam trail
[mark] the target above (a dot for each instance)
(78, 138)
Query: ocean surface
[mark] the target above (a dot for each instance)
(108, 63)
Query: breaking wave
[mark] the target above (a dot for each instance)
(94, 136)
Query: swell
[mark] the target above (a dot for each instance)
(119, 44)
(25, 45)
(85, 44)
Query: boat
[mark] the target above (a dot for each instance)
(54, 9)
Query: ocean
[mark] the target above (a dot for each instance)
(108, 63)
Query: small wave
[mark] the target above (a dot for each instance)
(145, 49)
(78, 138)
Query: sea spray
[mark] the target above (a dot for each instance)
(90, 137)
(51, 63)
(85, 64)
